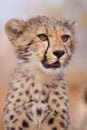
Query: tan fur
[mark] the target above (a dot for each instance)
(37, 92)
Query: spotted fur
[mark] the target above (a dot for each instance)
(37, 96)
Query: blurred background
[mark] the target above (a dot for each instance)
(76, 72)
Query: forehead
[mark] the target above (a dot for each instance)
(48, 26)
(52, 30)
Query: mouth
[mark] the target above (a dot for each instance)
(54, 65)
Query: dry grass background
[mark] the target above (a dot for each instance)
(77, 87)
(77, 92)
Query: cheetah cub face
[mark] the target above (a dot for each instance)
(41, 41)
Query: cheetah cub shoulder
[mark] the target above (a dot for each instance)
(37, 97)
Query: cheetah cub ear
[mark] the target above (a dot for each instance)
(14, 28)
(72, 23)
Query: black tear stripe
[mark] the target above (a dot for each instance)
(45, 58)
(30, 43)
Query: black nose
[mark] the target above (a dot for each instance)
(58, 53)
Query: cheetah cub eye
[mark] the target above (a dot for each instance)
(43, 37)
(65, 37)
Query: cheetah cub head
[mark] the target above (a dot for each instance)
(47, 43)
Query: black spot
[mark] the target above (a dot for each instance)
(12, 128)
(9, 102)
(62, 117)
(18, 100)
(27, 92)
(7, 95)
(22, 85)
(62, 124)
(68, 115)
(31, 113)
(20, 128)
(11, 117)
(7, 111)
(27, 79)
(54, 85)
(33, 84)
(55, 113)
(4, 108)
(65, 103)
(20, 94)
(14, 104)
(61, 98)
(25, 124)
(39, 111)
(57, 93)
(6, 122)
(46, 100)
(31, 100)
(36, 101)
(47, 85)
(36, 91)
(19, 112)
(57, 104)
(63, 87)
(64, 111)
(20, 32)
(12, 96)
(15, 89)
(24, 75)
(14, 109)
(54, 101)
(43, 101)
(51, 120)
(64, 93)
(43, 92)
(18, 80)
(54, 128)
(30, 105)
(66, 100)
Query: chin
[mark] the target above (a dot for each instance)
(50, 70)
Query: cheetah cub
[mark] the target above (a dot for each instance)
(37, 97)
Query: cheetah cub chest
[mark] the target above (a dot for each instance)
(37, 97)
